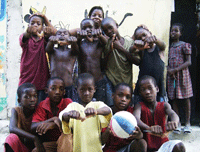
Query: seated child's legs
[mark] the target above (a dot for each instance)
(65, 141)
(49, 146)
(139, 145)
(172, 146)
(14, 143)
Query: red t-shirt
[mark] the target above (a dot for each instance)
(154, 142)
(43, 112)
(34, 66)
(114, 143)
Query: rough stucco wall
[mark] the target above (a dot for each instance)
(13, 54)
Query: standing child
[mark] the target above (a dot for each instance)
(33, 66)
(151, 117)
(118, 58)
(179, 81)
(21, 138)
(45, 120)
(62, 60)
(89, 58)
(85, 119)
(122, 96)
(152, 60)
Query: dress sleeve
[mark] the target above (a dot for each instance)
(39, 114)
(187, 48)
(66, 125)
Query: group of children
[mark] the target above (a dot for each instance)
(75, 113)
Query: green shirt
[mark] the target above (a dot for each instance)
(118, 68)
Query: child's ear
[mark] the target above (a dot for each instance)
(157, 89)
(18, 100)
(46, 90)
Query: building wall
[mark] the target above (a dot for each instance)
(155, 14)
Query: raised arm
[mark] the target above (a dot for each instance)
(14, 129)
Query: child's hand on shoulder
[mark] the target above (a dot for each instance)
(171, 125)
(89, 112)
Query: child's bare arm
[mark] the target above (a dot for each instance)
(27, 34)
(14, 129)
(103, 111)
(105, 135)
(173, 124)
(137, 114)
(52, 40)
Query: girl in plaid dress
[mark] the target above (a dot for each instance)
(179, 81)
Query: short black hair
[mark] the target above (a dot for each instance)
(85, 19)
(146, 77)
(138, 28)
(39, 17)
(95, 7)
(22, 87)
(54, 78)
(181, 28)
(122, 84)
(109, 19)
(83, 77)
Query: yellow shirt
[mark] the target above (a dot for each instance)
(86, 134)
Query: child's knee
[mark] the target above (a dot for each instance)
(139, 145)
(179, 147)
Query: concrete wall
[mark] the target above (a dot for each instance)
(155, 14)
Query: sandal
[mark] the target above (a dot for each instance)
(187, 130)
(177, 130)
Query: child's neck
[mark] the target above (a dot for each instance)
(27, 112)
(84, 104)
(175, 41)
(37, 38)
(151, 105)
(115, 109)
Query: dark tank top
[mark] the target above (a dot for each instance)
(152, 65)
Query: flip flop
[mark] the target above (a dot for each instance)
(177, 130)
(187, 130)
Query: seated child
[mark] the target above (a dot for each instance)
(151, 116)
(33, 60)
(152, 59)
(62, 60)
(118, 58)
(86, 118)
(89, 58)
(122, 98)
(21, 138)
(45, 119)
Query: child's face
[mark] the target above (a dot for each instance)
(56, 90)
(110, 28)
(36, 24)
(175, 32)
(142, 34)
(86, 90)
(122, 97)
(148, 90)
(97, 17)
(28, 98)
(61, 33)
(88, 26)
